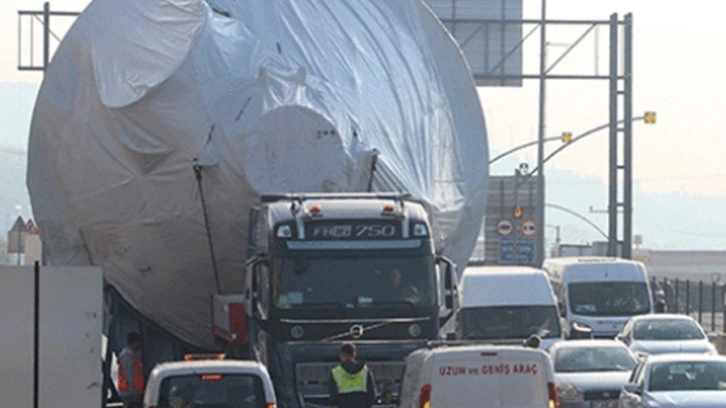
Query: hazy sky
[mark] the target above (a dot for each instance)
(679, 64)
(679, 61)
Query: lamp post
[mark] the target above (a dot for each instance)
(567, 139)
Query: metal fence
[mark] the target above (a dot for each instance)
(704, 301)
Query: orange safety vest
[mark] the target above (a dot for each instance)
(137, 373)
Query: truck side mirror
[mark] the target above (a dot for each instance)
(449, 283)
(254, 268)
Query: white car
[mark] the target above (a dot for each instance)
(677, 380)
(666, 333)
(591, 373)
(209, 383)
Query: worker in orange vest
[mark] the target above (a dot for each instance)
(131, 372)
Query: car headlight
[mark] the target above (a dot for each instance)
(568, 391)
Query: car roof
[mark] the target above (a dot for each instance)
(661, 316)
(569, 260)
(209, 366)
(686, 357)
(483, 348)
(587, 343)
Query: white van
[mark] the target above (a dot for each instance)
(478, 376)
(213, 383)
(501, 303)
(600, 293)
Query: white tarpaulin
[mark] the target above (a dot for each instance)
(267, 96)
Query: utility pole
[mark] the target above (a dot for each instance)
(628, 137)
(540, 211)
(613, 171)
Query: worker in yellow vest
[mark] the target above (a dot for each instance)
(351, 381)
(131, 372)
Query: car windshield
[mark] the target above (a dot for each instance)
(670, 329)
(609, 298)
(354, 282)
(509, 322)
(212, 391)
(688, 376)
(591, 359)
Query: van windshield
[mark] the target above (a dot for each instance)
(509, 322)
(608, 298)
(212, 390)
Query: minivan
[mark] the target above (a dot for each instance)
(501, 304)
(599, 293)
(478, 376)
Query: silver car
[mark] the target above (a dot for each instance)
(590, 373)
(677, 380)
(666, 333)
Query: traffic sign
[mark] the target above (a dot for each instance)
(506, 251)
(505, 227)
(528, 228)
(525, 251)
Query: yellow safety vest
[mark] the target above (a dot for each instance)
(347, 382)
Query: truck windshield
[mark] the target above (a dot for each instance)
(353, 282)
(509, 322)
(608, 298)
(212, 390)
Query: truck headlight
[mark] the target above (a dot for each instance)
(284, 231)
(420, 230)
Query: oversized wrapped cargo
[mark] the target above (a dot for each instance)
(263, 96)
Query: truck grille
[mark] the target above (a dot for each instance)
(311, 379)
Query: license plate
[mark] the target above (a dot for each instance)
(604, 404)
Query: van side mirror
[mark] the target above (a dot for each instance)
(632, 388)
(580, 331)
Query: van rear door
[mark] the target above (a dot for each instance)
(490, 377)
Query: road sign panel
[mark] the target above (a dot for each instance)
(506, 251)
(505, 227)
(525, 251)
(528, 228)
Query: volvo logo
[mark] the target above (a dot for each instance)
(356, 331)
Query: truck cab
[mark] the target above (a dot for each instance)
(324, 269)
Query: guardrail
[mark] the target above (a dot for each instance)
(702, 300)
